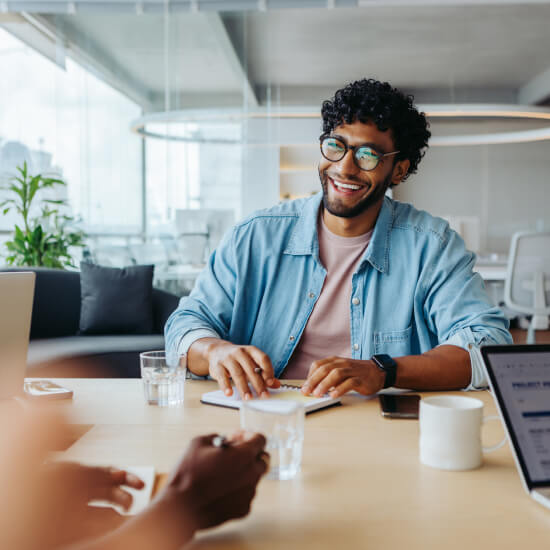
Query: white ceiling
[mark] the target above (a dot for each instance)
(419, 47)
(300, 56)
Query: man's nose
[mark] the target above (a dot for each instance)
(346, 165)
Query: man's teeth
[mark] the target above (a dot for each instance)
(346, 186)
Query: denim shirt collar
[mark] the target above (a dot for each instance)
(304, 239)
(378, 251)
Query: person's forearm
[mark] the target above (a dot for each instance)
(156, 527)
(442, 368)
(197, 355)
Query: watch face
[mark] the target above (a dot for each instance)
(384, 361)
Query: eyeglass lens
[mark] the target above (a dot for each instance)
(334, 149)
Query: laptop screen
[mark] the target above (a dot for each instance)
(520, 377)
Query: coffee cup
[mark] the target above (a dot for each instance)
(450, 432)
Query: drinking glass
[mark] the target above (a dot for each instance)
(282, 423)
(163, 375)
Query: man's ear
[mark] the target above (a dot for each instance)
(400, 170)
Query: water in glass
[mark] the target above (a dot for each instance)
(282, 423)
(163, 378)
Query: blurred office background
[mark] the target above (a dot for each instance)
(172, 119)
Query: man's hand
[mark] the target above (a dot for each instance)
(215, 484)
(339, 375)
(69, 488)
(209, 486)
(80, 484)
(45, 505)
(243, 365)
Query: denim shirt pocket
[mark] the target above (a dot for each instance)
(393, 342)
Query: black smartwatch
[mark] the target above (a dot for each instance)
(388, 365)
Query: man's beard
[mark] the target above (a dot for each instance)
(336, 208)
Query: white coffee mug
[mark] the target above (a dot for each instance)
(450, 432)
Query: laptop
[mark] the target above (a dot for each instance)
(519, 377)
(16, 298)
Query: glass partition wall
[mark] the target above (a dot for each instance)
(171, 120)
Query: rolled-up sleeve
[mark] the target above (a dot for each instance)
(471, 341)
(458, 309)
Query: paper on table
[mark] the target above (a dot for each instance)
(141, 497)
(288, 393)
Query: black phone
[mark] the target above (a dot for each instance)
(400, 406)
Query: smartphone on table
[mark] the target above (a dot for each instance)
(46, 389)
(400, 406)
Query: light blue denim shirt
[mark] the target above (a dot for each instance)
(414, 288)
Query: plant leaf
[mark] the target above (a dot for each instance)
(43, 239)
(37, 235)
(18, 190)
(33, 188)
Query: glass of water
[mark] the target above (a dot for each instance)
(163, 375)
(282, 423)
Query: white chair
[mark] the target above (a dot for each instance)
(527, 287)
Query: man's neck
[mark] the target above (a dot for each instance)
(353, 227)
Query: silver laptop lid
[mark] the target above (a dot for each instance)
(16, 297)
(520, 380)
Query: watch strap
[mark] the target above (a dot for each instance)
(387, 364)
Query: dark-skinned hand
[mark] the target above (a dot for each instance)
(242, 365)
(339, 375)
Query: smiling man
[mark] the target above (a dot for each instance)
(348, 289)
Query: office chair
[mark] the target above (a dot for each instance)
(527, 286)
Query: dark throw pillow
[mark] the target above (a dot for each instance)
(116, 301)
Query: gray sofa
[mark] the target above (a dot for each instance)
(57, 350)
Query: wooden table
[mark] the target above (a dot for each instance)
(361, 486)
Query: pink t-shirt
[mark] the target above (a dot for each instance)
(327, 332)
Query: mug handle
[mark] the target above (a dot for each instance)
(498, 445)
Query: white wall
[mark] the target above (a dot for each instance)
(221, 176)
(261, 156)
(506, 186)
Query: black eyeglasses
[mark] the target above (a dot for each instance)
(365, 157)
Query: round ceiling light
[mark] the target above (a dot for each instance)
(190, 125)
(492, 111)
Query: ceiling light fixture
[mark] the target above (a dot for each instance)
(491, 111)
(447, 111)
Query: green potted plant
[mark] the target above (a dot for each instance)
(43, 239)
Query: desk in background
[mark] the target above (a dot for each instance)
(492, 272)
(361, 485)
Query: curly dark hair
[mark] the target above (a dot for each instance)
(387, 107)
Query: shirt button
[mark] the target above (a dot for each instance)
(355, 301)
(355, 347)
(291, 338)
(311, 295)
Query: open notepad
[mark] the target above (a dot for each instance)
(288, 393)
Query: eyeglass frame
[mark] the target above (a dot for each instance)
(353, 148)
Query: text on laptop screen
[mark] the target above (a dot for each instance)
(523, 380)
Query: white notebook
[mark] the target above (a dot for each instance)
(287, 393)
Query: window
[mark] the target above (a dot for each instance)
(66, 121)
